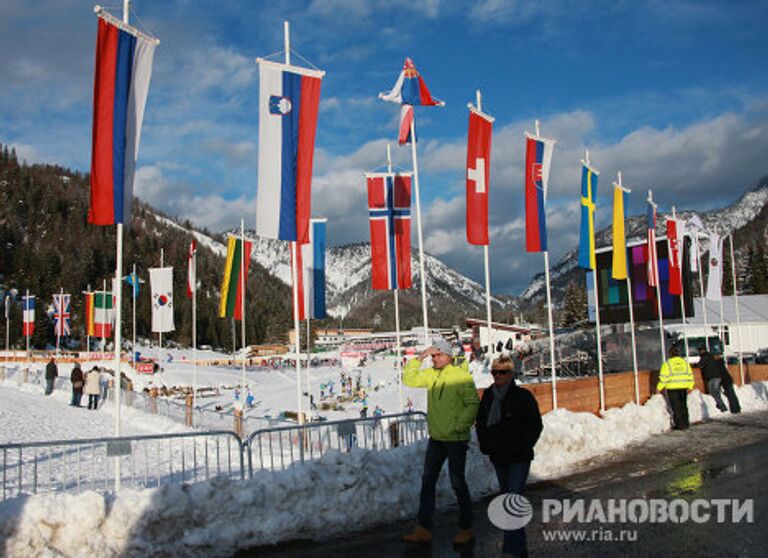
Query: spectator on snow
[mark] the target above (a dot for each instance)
(104, 386)
(727, 384)
(93, 388)
(51, 373)
(364, 411)
(452, 404)
(508, 426)
(77, 379)
(710, 373)
(676, 377)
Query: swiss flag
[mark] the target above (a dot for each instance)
(478, 176)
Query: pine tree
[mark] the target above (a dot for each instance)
(574, 305)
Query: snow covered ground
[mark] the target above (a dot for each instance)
(337, 493)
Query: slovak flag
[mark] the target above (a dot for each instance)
(311, 272)
(410, 89)
(123, 70)
(289, 98)
(653, 260)
(478, 176)
(28, 309)
(61, 315)
(389, 212)
(406, 120)
(538, 157)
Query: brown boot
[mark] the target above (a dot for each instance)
(418, 535)
(464, 536)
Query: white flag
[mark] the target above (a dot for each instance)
(695, 226)
(714, 283)
(161, 284)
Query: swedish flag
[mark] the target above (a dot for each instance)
(588, 198)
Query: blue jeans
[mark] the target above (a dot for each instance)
(714, 391)
(48, 386)
(437, 453)
(512, 477)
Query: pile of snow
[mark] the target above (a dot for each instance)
(338, 493)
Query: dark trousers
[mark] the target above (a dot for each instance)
(93, 401)
(512, 478)
(48, 386)
(678, 400)
(77, 395)
(437, 453)
(733, 401)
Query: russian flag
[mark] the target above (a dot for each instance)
(538, 157)
(311, 275)
(389, 211)
(123, 71)
(410, 89)
(289, 98)
(28, 309)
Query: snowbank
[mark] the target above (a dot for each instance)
(338, 493)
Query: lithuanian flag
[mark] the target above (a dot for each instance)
(233, 288)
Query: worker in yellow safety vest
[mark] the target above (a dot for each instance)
(676, 377)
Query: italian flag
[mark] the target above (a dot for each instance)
(102, 314)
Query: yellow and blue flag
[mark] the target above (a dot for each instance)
(619, 270)
(588, 199)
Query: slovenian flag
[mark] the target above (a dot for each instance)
(289, 98)
(123, 70)
(538, 157)
(588, 199)
(28, 309)
(311, 272)
(389, 211)
(410, 89)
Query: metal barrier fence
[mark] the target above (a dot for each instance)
(278, 448)
(146, 461)
(153, 460)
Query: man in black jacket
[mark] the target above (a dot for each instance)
(508, 426)
(78, 380)
(710, 373)
(51, 372)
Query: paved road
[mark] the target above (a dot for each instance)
(720, 459)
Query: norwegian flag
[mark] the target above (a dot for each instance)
(191, 279)
(61, 315)
(653, 262)
(478, 175)
(389, 210)
(28, 309)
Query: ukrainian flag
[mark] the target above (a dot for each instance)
(588, 198)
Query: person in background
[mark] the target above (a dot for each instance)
(93, 388)
(104, 386)
(727, 384)
(51, 373)
(452, 404)
(710, 373)
(676, 377)
(508, 427)
(77, 379)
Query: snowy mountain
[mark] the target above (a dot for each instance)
(724, 221)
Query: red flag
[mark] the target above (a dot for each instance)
(478, 175)
(406, 119)
(675, 280)
(653, 262)
(191, 279)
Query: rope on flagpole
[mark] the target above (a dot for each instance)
(663, 344)
(736, 303)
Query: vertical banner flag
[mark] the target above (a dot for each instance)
(406, 119)
(7, 307)
(478, 176)
(311, 272)
(89, 325)
(715, 281)
(103, 314)
(410, 89)
(123, 70)
(61, 315)
(619, 264)
(673, 258)
(134, 281)
(28, 309)
(161, 284)
(695, 226)
(389, 211)
(588, 199)
(289, 98)
(233, 286)
(653, 261)
(538, 157)
(191, 279)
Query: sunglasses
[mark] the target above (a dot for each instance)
(499, 372)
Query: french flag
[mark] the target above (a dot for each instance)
(311, 272)
(538, 157)
(410, 89)
(289, 98)
(28, 309)
(123, 71)
(389, 210)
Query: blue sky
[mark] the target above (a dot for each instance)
(673, 94)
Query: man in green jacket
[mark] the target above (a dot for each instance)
(676, 377)
(452, 404)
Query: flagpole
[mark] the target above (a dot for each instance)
(160, 333)
(631, 309)
(133, 340)
(7, 324)
(663, 345)
(680, 254)
(103, 329)
(194, 328)
(701, 290)
(722, 321)
(243, 278)
(486, 257)
(422, 276)
(61, 319)
(309, 347)
(736, 304)
(87, 320)
(28, 330)
(398, 364)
